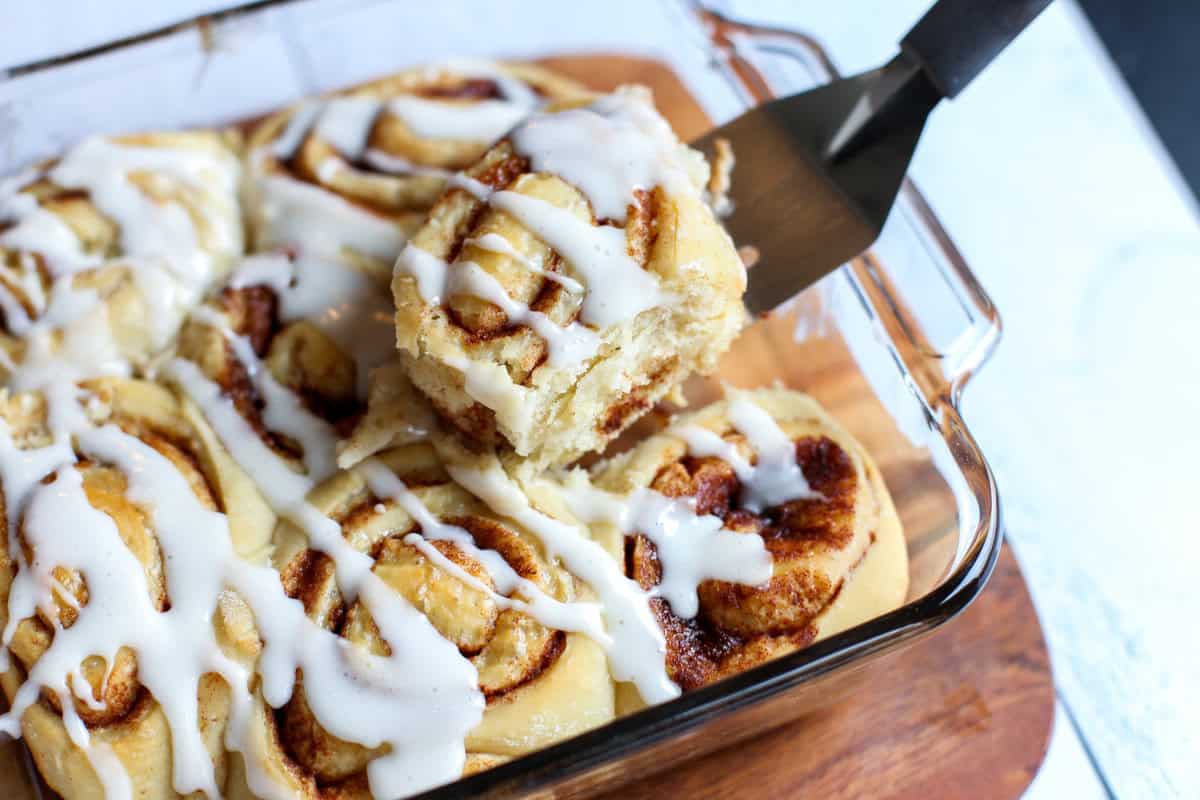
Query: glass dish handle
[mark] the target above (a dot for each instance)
(933, 307)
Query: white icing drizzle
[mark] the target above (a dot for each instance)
(495, 243)
(159, 241)
(775, 477)
(349, 306)
(283, 411)
(582, 617)
(636, 649)
(617, 287)
(110, 770)
(422, 700)
(566, 345)
(345, 122)
(692, 548)
(150, 230)
(471, 120)
(298, 126)
(607, 150)
(33, 228)
(429, 271)
(321, 224)
(478, 188)
(386, 162)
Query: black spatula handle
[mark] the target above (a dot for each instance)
(958, 38)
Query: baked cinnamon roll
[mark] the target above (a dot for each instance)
(571, 278)
(351, 175)
(460, 567)
(773, 465)
(91, 574)
(292, 343)
(130, 230)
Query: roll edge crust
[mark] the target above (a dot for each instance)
(839, 559)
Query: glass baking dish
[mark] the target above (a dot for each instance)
(887, 343)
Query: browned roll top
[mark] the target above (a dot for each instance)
(508, 648)
(740, 626)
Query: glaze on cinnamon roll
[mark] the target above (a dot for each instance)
(144, 224)
(572, 278)
(86, 568)
(773, 465)
(291, 342)
(455, 566)
(349, 176)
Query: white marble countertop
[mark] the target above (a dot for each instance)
(1058, 194)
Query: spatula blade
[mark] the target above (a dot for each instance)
(806, 214)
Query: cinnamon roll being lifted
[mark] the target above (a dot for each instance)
(567, 281)
(351, 175)
(119, 236)
(769, 466)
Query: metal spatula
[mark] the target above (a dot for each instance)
(818, 172)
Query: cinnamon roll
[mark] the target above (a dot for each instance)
(770, 465)
(474, 575)
(292, 342)
(94, 597)
(567, 281)
(350, 175)
(122, 234)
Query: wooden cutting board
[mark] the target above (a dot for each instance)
(965, 713)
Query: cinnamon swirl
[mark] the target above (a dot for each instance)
(475, 576)
(291, 342)
(773, 466)
(350, 175)
(567, 281)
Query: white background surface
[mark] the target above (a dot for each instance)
(1056, 192)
